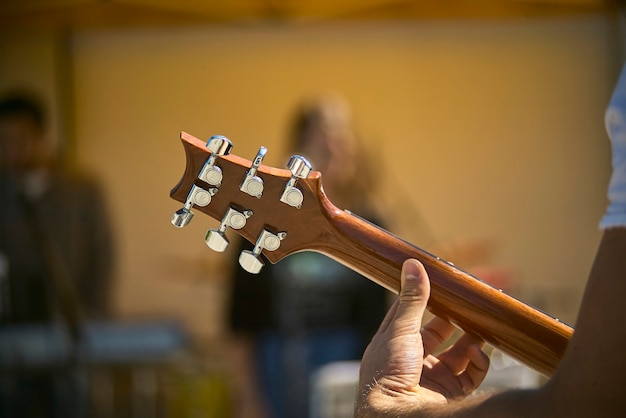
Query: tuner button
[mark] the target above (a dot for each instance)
(196, 196)
(253, 186)
(237, 220)
(181, 218)
(293, 197)
(212, 175)
(271, 242)
(201, 197)
(250, 262)
(219, 145)
(299, 166)
(216, 240)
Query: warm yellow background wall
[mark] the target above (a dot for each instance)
(482, 129)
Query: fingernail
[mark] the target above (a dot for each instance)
(410, 276)
(411, 268)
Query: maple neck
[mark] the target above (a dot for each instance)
(526, 334)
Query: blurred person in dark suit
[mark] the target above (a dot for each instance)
(55, 245)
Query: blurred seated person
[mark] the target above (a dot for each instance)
(308, 310)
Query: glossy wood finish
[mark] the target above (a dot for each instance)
(528, 335)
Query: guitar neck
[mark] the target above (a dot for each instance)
(506, 323)
(523, 332)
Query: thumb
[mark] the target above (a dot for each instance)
(414, 293)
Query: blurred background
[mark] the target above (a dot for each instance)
(483, 121)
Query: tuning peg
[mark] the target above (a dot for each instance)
(219, 145)
(253, 184)
(250, 260)
(216, 238)
(197, 196)
(300, 168)
(181, 217)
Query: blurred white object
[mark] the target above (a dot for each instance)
(333, 390)
(506, 372)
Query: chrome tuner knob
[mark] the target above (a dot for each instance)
(182, 217)
(300, 168)
(197, 196)
(250, 261)
(253, 184)
(216, 238)
(219, 145)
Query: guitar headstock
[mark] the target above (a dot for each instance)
(281, 211)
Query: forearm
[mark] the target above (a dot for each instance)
(593, 365)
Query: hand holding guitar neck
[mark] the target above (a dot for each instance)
(286, 211)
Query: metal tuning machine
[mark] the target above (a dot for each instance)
(219, 145)
(300, 168)
(216, 238)
(250, 260)
(197, 196)
(253, 184)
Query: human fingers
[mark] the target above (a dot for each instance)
(457, 383)
(456, 357)
(390, 315)
(414, 293)
(476, 370)
(434, 333)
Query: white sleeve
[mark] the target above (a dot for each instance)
(615, 120)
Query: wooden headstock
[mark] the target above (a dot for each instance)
(266, 212)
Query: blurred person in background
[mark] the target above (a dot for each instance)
(308, 310)
(55, 250)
